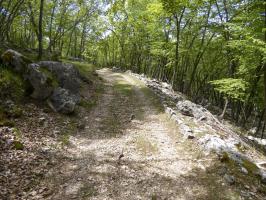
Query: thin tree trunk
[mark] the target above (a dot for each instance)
(40, 53)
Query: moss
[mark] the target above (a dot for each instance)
(18, 145)
(224, 157)
(51, 78)
(7, 57)
(12, 86)
(250, 166)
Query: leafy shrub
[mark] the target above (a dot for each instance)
(233, 88)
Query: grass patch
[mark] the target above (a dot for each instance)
(12, 85)
(69, 130)
(124, 89)
(65, 139)
(86, 69)
(88, 104)
(88, 191)
(17, 133)
(153, 98)
(145, 146)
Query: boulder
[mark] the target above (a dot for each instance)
(63, 101)
(116, 69)
(67, 75)
(186, 131)
(216, 144)
(15, 60)
(193, 110)
(41, 84)
(186, 108)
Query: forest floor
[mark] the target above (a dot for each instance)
(120, 146)
(129, 149)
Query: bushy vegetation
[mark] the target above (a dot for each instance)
(12, 85)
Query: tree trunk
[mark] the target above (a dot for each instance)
(40, 30)
(224, 110)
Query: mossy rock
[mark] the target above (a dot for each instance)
(15, 61)
(51, 78)
(251, 167)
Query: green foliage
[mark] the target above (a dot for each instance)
(187, 43)
(12, 85)
(18, 145)
(233, 88)
(88, 104)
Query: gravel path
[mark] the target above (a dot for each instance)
(130, 149)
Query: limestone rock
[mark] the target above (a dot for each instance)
(42, 87)
(217, 144)
(193, 110)
(67, 75)
(15, 60)
(63, 101)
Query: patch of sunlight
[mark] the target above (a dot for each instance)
(144, 145)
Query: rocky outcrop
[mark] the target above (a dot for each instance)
(193, 110)
(68, 77)
(57, 82)
(42, 87)
(14, 59)
(216, 144)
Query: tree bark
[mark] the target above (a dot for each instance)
(40, 36)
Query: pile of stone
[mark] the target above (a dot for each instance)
(226, 146)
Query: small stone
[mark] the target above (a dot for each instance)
(42, 120)
(245, 194)
(222, 171)
(132, 117)
(263, 177)
(81, 125)
(247, 187)
(229, 179)
(244, 170)
(190, 137)
(56, 132)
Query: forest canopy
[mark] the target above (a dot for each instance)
(211, 50)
